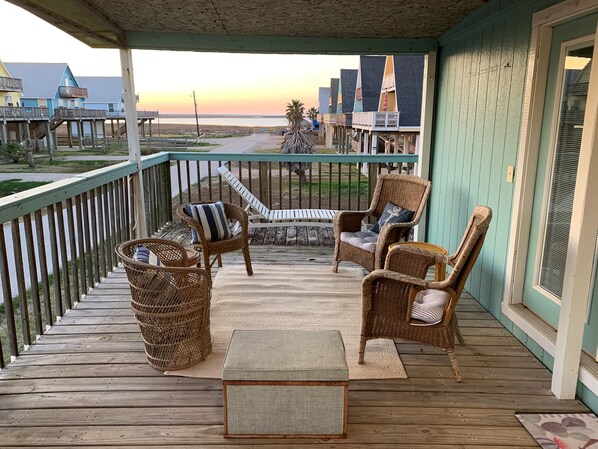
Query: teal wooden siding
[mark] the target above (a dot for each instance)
(482, 67)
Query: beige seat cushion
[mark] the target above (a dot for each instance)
(365, 240)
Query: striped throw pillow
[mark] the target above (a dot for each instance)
(212, 218)
(429, 306)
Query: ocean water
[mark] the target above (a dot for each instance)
(226, 120)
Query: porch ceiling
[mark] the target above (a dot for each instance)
(281, 26)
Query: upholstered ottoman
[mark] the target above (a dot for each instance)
(285, 384)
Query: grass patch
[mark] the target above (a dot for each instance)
(43, 164)
(11, 186)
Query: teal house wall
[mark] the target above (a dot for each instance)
(482, 66)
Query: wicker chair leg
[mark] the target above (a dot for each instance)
(207, 265)
(247, 258)
(459, 336)
(361, 350)
(335, 260)
(454, 365)
(219, 260)
(335, 266)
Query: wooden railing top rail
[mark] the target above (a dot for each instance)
(273, 157)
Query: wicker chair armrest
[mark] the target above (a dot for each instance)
(234, 212)
(349, 221)
(409, 251)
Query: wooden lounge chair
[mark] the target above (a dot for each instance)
(258, 211)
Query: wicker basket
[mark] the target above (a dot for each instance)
(171, 304)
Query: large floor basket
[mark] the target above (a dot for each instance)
(171, 303)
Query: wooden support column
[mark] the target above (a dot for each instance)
(579, 268)
(69, 132)
(424, 148)
(92, 125)
(80, 134)
(49, 137)
(126, 64)
(3, 133)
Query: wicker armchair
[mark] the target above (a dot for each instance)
(388, 295)
(407, 191)
(171, 304)
(218, 247)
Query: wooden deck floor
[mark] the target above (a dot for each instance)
(86, 384)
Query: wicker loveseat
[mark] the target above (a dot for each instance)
(171, 303)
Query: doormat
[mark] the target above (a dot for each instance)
(562, 430)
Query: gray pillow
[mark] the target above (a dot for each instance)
(392, 214)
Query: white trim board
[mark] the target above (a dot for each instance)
(545, 336)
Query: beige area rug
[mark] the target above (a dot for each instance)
(301, 297)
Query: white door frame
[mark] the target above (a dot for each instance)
(564, 346)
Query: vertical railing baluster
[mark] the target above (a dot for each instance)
(20, 273)
(280, 185)
(168, 189)
(101, 232)
(43, 266)
(340, 180)
(290, 177)
(241, 180)
(9, 314)
(359, 167)
(113, 229)
(117, 212)
(220, 196)
(126, 194)
(179, 178)
(211, 198)
(87, 239)
(311, 172)
(319, 185)
(106, 224)
(250, 174)
(187, 165)
(63, 256)
(31, 260)
(81, 245)
(198, 167)
(349, 168)
(270, 184)
(55, 264)
(73, 247)
(330, 185)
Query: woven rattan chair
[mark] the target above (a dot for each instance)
(388, 295)
(171, 304)
(209, 249)
(407, 191)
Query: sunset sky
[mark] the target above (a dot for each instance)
(223, 83)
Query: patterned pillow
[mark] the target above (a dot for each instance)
(212, 218)
(144, 255)
(429, 306)
(392, 214)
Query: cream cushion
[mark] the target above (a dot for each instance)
(429, 306)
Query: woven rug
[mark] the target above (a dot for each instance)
(562, 430)
(298, 297)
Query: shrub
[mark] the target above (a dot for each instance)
(13, 151)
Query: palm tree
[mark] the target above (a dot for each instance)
(312, 113)
(295, 142)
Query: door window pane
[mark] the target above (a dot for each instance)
(576, 77)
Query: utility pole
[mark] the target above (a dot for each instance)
(196, 117)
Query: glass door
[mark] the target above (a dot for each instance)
(568, 79)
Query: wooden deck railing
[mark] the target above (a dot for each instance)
(57, 241)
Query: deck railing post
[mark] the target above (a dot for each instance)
(126, 63)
